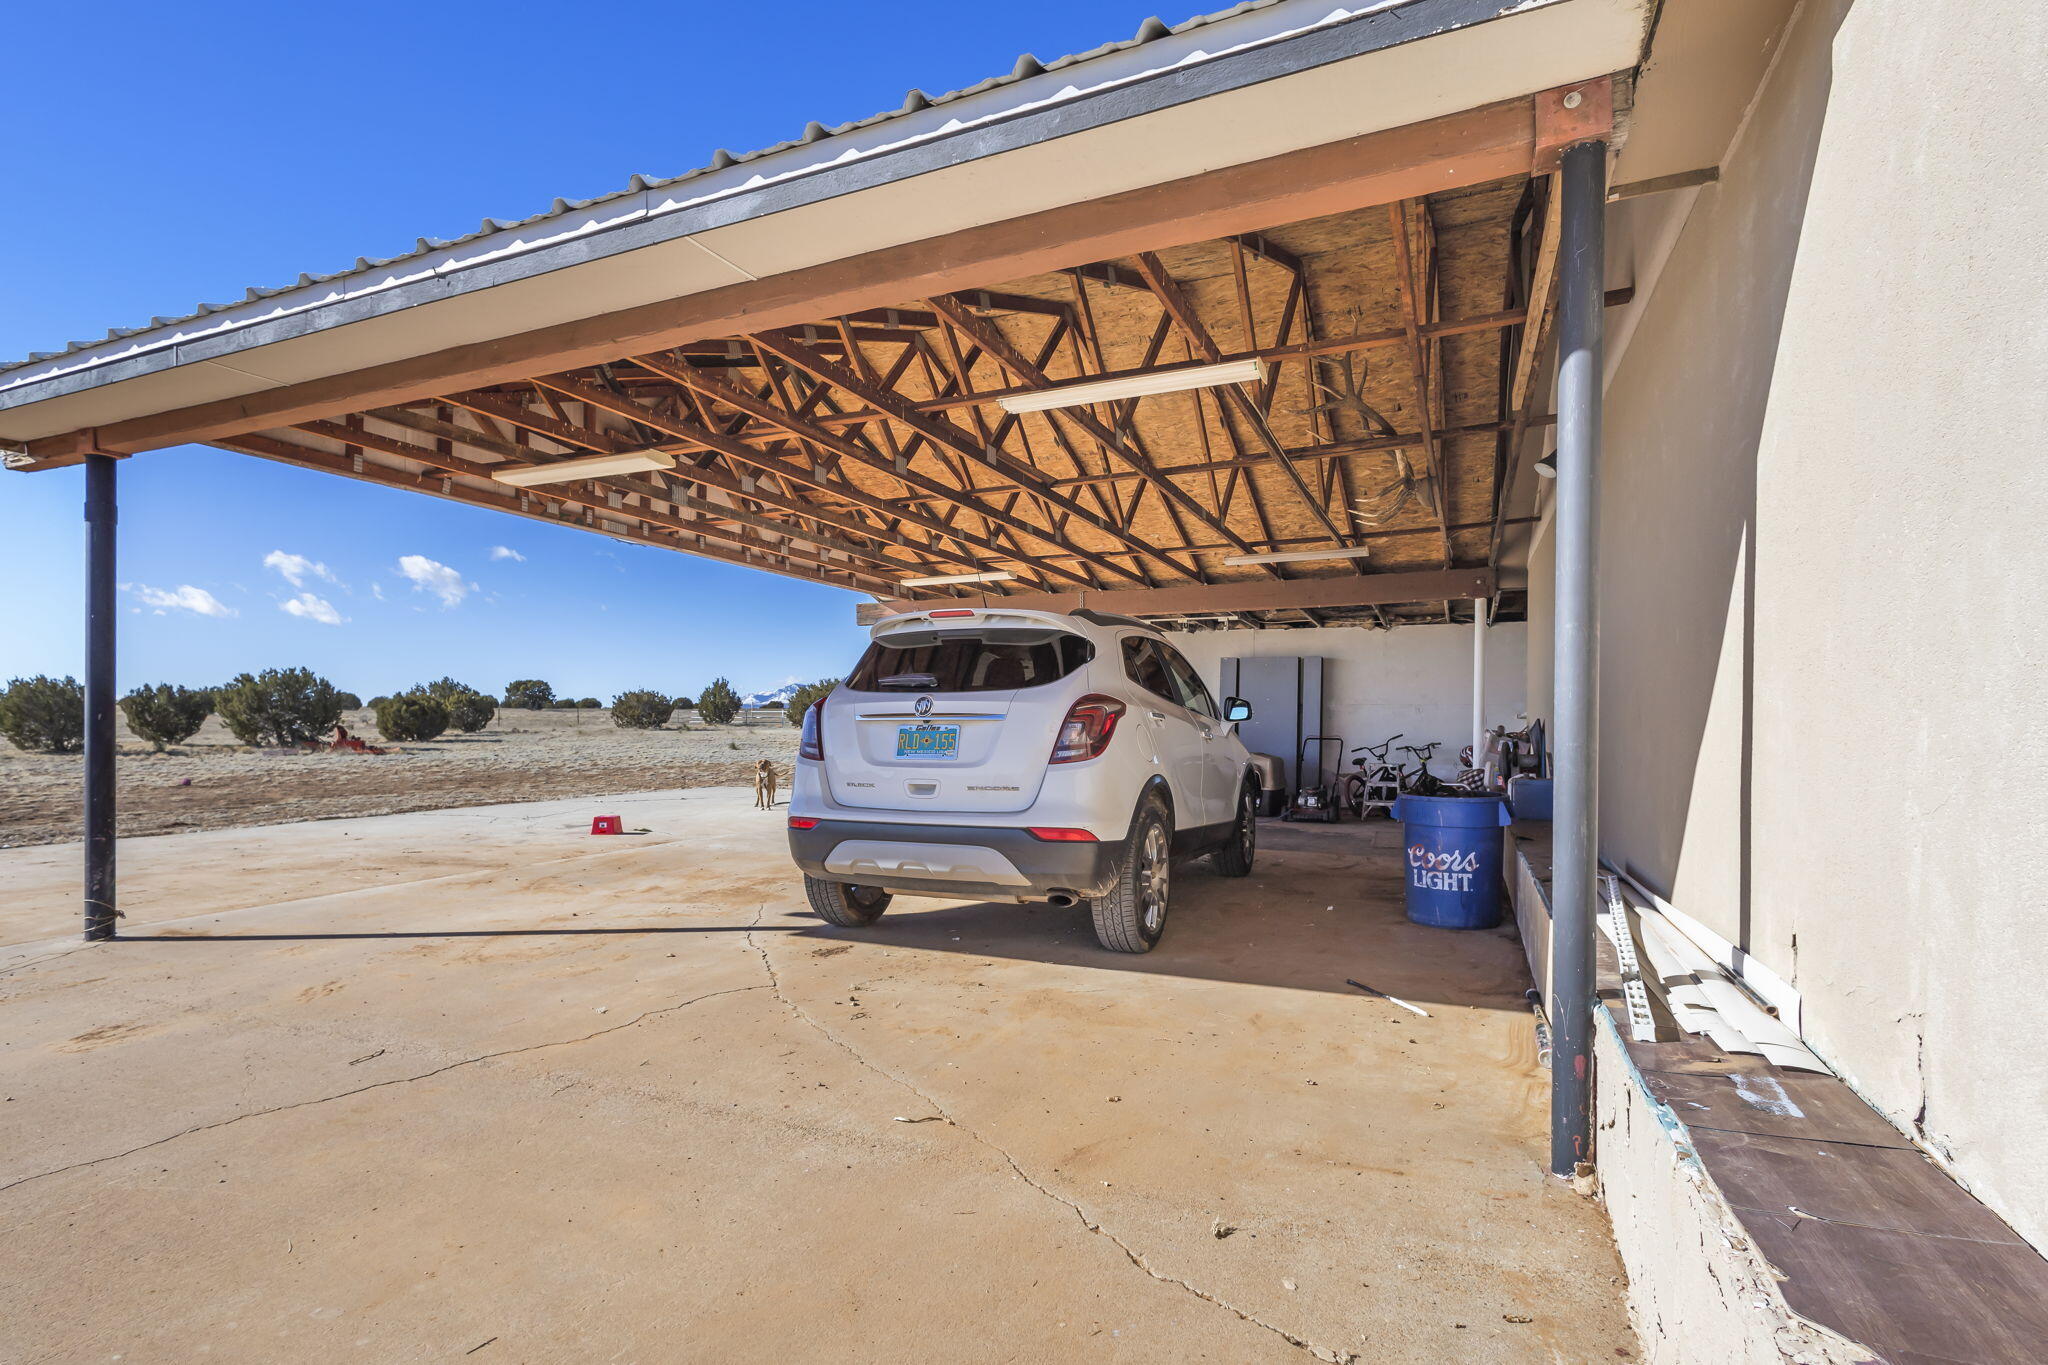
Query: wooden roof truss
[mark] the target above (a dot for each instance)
(870, 448)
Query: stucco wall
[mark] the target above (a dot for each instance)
(1822, 546)
(1413, 680)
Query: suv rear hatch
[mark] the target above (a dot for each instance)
(959, 719)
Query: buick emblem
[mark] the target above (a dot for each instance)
(923, 706)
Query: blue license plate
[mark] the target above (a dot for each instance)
(928, 741)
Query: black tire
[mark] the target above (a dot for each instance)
(1131, 917)
(1234, 859)
(849, 907)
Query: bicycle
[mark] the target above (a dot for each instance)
(1421, 781)
(1376, 783)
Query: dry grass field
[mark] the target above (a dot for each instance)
(215, 783)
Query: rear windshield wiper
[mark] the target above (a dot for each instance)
(911, 682)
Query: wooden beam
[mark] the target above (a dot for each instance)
(718, 390)
(1364, 341)
(1397, 533)
(643, 486)
(986, 335)
(1466, 148)
(1182, 310)
(748, 554)
(943, 433)
(1330, 451)
(1522, 383)
(1413, 320)
(1350, 590)
(1571, 114)
(833, 485)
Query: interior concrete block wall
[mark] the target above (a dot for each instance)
(1413, 680)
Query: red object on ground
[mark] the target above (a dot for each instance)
(606, 824)
(342, 743)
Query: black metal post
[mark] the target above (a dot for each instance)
(99, 696)
(1581, 284)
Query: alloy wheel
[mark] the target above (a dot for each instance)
(1153, 871)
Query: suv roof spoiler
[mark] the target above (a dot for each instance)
(1103, 618)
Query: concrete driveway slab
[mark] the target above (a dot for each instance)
(532, 1095)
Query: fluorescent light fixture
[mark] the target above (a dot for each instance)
(1136, 386)
(587, 467)
(997, 576)
(1295, 556)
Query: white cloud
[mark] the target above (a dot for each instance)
(377, 591)
(507, 552)
(184, 597)
(296, 568)
(313, 609)
(430, 575)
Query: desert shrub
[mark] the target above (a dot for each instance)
(590, 704)
(349, 701)
(528, 694)
(801, 699)
(468, 709)
(278, 706)
(166, 714)
(561, 704)
(412, 716)
(641, 710)
(771, 704)
(44, 715)
(471, 712)
(719, 704)
(376, 702)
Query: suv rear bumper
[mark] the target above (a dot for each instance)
(983, 862)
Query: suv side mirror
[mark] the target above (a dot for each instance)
(1236, 709)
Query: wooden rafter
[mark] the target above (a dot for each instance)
(943, 433)
(991, 339)
(795, 564)
(1521, 386)
(1182, 310)
(1262, 595)
(869, 446)
(1413, 322)
(718, 390)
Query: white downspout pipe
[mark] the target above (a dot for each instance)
(1479, 682)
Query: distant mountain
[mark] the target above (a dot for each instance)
(779, 695)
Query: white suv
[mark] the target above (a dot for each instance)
(992, 754)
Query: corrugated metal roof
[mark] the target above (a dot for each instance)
(1025, 68)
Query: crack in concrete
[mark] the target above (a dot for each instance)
(1131, 1254)
(46, 957)
(378, 1085)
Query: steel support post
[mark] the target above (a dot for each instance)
(1581, 282)
(99, 696)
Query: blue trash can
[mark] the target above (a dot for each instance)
(1453, 859)
(1529, 797)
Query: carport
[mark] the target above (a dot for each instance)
(1241, 325)
(1268, 327)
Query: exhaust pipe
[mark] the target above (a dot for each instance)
(1064, 899)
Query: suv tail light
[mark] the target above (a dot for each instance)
(1085, 733)
(811, 743)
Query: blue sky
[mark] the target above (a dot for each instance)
(166, 155)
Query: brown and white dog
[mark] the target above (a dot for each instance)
(764, 785)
